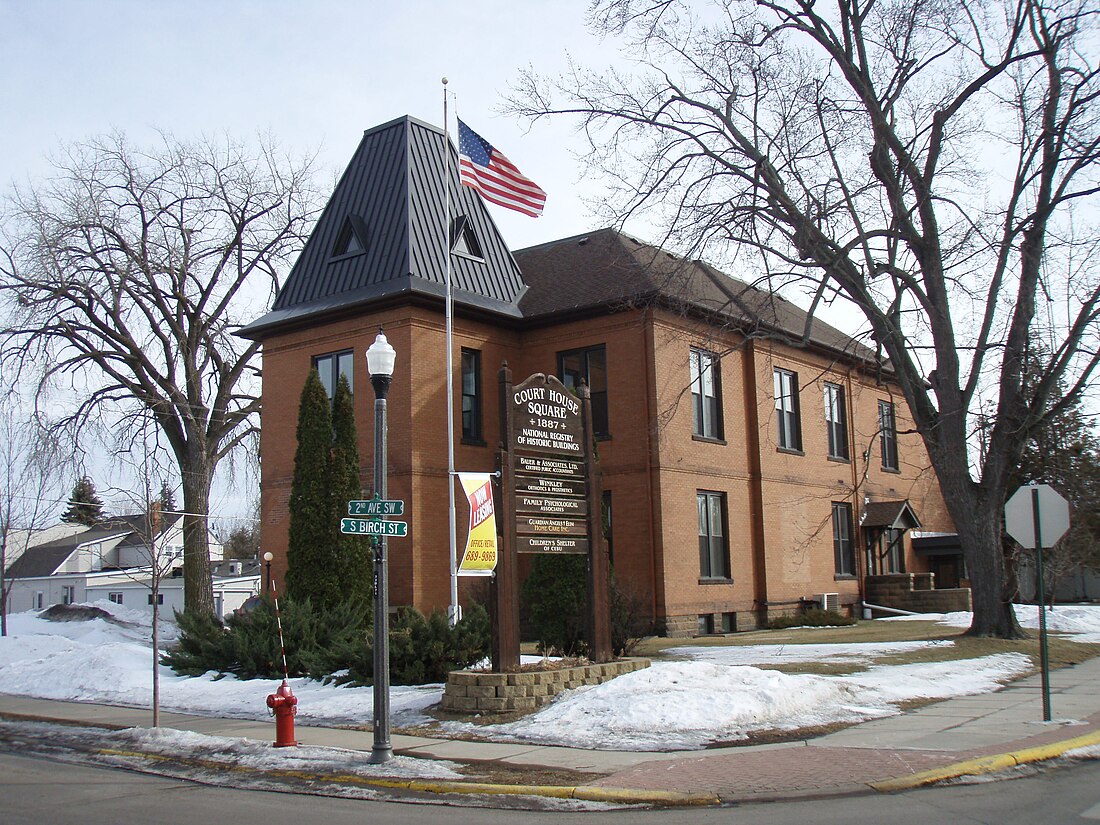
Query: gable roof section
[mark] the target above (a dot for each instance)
(897, 515)
(608, 270)
(393, 193)
(45, 559)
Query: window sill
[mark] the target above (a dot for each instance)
(894, 470)
(604, 437)
(706, 439)
(838, 459)
(844, 578)
(467, 256)
(789, 451)
(716, 580)
(474, 442)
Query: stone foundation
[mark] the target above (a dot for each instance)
(471, 691)
(915, 592)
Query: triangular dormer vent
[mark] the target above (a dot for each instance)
(352, 239)
(463, 240)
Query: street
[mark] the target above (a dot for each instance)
(45, 792)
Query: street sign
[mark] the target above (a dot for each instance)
(1021, 518)
(377, 507)
(373, 527)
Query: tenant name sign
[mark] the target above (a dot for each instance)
(550, 454)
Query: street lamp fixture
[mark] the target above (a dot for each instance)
(268, 556)
(380, 360)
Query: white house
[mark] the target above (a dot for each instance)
(115, 561)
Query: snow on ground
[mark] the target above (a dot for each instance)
(708, 694)
(1081, 621)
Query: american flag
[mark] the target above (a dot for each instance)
(494, 176)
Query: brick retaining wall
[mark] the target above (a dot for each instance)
(914, 591)
(471, 691)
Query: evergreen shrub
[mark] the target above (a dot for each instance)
(815, 617)
(336, 642)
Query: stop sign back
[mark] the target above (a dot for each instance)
(1020, 517)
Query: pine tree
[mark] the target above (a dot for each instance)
(352, 560)
(310, 574)
(85, 507)
(166, 498)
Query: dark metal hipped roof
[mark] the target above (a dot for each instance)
(893, 514)
(393, 192)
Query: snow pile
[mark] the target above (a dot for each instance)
(1081, 621)
(687, 705)
(711, 694)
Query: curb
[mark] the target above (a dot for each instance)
(622, 796)
(987, 764)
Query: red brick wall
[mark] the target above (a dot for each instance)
(651, 464)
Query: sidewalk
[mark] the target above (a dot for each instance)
(967, 735)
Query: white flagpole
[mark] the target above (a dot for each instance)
(454, 613)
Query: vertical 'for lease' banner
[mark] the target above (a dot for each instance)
(480, 558)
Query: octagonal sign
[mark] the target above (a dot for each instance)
(1020, 515)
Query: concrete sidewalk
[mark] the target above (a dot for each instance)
(967, 735)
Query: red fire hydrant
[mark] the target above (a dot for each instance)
(284, 704)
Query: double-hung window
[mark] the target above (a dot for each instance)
(471, 396)
(888, 435)
(786, 410)
(713, 548)
(588, 365)
(836, 421)
(705, 392)
(843, 550)
(331, 366)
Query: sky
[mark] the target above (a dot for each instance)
(694, 697)
(314, 75)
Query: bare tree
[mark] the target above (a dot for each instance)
(31, 473)
(123, 278)
(931, 163)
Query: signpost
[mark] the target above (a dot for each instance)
(377, 507)
(374, 527)
(1038, 515)
(550, 501)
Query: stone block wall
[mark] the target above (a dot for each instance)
(915, 592)
(471, 691)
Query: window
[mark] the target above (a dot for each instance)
(588, 365)
(836, 421)
(114, 597)
(160, 598)
(705, 392)
(463, 240)
(713, 550)
(605, 513)
(706, 624)
(471, 396)
(352, 238)
(331, 366)
(68, 594)
(39, 600)
(843, 555)
(729, 622)
(786, 409)
(888, 435)
(886, 552)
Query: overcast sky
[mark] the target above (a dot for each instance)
(314, 73)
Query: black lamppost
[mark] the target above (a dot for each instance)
(268, 556)
(380, 359)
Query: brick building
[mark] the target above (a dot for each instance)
(752, 461)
